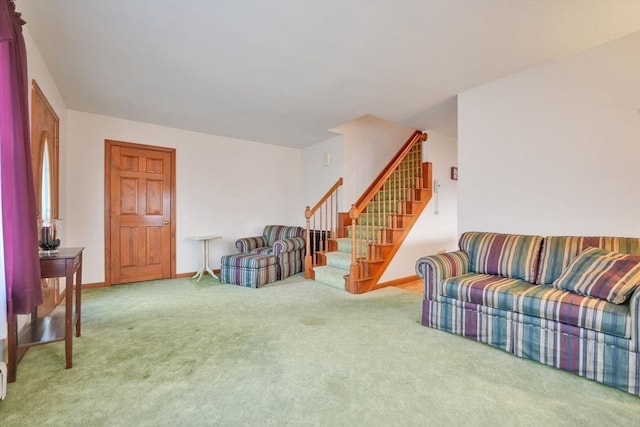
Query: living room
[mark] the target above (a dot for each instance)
(548, 149)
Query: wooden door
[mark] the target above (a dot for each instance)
(141, 197)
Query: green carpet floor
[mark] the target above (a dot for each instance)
(294, 353)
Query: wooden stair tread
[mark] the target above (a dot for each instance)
(373, 261)
(383, 244)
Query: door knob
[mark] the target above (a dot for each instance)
(165, 222)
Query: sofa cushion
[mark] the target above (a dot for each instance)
(601, 274)
(559, 251)
(573, 309)
(509, 255)
(484, 289)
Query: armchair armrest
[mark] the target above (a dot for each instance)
(288, 245)
(247, 244)
(435, 268)
(634, 307)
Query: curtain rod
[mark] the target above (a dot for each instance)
(12, 3)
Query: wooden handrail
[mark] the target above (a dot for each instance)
(362, 240)
(322, 220)
(310, 211)
(382, 177)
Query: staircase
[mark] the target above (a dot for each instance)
(338, 265)
(353, 253)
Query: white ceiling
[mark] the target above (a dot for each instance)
(284, 72)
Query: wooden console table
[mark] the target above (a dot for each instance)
(57, 327)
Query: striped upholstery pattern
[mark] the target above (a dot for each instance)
(248, 270)
(289, 253)
(563, 328)
(286, 243)
(484, 289)
(435, 268)
(247, 244)
(279, 232)
(290, 263)
(508, 255)
(601, 274)
(573, 309)
(587, 336)
(448, 264)
(579, 351)
(559, 251)
(247, 261)
(265, 250)
(485, 324)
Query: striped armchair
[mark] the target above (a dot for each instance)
(286, 243)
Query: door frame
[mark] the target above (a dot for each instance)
(108, 143)
(40, 104)
(38, 96)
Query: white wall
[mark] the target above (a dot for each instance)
(555, 149)
(433, 232)
(225, 186)
(317, 178)
(369, 143)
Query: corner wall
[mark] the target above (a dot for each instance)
(555, 149)
(225, 186)
(369, 143)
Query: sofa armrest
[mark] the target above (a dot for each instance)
(288, 245)
(634, 307)
(435, 268)
(247, 244)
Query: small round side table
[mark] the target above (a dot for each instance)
(205, 256)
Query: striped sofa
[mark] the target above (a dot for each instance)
(566, 301)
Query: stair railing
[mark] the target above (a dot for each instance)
(383, 202)
(322, 224)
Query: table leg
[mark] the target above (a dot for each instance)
(205, 253)
(79, 296)
(206, 260)
(68, 318)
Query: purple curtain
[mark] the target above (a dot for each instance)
(22, 265)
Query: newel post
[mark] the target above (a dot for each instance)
(351, 284)
(308, 265)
